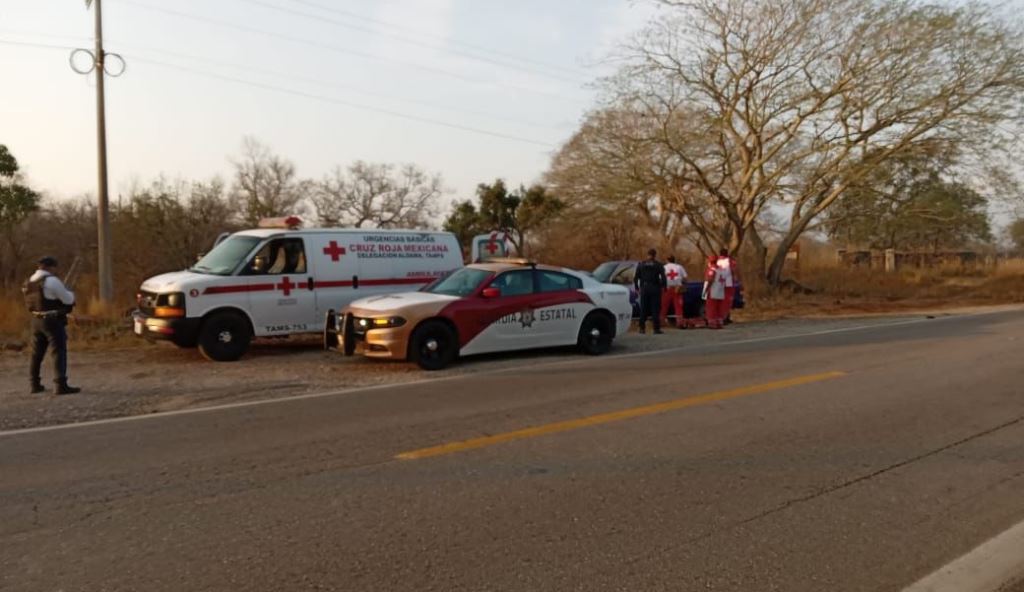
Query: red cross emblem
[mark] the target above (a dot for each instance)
(334, 251)
(286, 286)
(492, 247)
(672, 275)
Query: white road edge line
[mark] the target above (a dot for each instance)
(377, 387)
(996, 564)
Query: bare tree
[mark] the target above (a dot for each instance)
(750, 104)
(378, 195)
(266, 184)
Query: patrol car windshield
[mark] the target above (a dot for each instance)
(603, 273)
(462, 283)
(227, 256)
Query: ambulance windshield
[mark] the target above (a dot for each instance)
(227, 256)
(462, 283)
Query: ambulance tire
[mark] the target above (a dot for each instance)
(596, 334)
(224, 337)
(433, 346)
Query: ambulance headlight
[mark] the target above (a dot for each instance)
(385, 322)
(169, 306)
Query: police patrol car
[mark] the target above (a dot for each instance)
(280, 280)
(484, 308)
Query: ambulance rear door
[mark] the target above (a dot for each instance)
(334, 260)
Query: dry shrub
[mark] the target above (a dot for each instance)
(92, 325)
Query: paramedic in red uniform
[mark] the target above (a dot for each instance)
(714, 294)
(731, 271)
(675, 286)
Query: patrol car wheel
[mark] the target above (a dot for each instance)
(224, 337)
(595, 335)
(433, 346)
(331, 331)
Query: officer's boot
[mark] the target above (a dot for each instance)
(63, 388)
(37, 387)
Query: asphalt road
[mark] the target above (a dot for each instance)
(857, 460)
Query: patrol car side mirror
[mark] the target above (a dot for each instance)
(491, 292)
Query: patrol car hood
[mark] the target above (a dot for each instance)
(392, 302)
(176, 281)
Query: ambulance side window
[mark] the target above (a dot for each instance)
(282, 256)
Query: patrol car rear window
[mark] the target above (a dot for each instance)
(462, 283)
(227, 256)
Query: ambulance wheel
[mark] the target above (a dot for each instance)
(331, 331)
(596, 334)
(433, 346)
(224, 337)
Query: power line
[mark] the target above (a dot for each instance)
(364, 18)
(405, 39)
(335, 48)
(349, 88)
(36, 45)
(343, 102)
(305, 79)
(314, 96)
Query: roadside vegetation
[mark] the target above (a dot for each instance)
(783, 130)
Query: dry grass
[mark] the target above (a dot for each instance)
(92, 326)
(863, 291)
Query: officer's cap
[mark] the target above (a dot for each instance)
(48, 261)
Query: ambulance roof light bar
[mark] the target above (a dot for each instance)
(285, 222)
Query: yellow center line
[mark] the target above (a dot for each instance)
(575, 424)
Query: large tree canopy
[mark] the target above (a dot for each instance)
(908, 204)
(726, 109)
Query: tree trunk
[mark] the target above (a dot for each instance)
(774, 275)
(760, 252)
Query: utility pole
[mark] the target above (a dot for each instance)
(105, 258)
(99, 60)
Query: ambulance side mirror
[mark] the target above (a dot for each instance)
(491, 293)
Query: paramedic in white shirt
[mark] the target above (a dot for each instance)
(49, 302)
(675, 288)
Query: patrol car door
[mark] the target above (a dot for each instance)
(560, 307)
(281, 296)
(517, 328)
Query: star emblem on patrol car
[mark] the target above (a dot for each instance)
(527, 317)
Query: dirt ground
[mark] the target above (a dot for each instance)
(154, 378)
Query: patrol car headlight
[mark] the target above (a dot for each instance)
(387, 322)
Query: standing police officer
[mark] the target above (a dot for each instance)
(650, 282)
(49, 301)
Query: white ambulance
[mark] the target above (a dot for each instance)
(281, 281)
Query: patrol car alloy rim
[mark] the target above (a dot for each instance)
(432, 345)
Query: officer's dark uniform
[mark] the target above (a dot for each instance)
(49, 322)
(650, 282)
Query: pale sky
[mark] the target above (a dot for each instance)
(322, 82)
